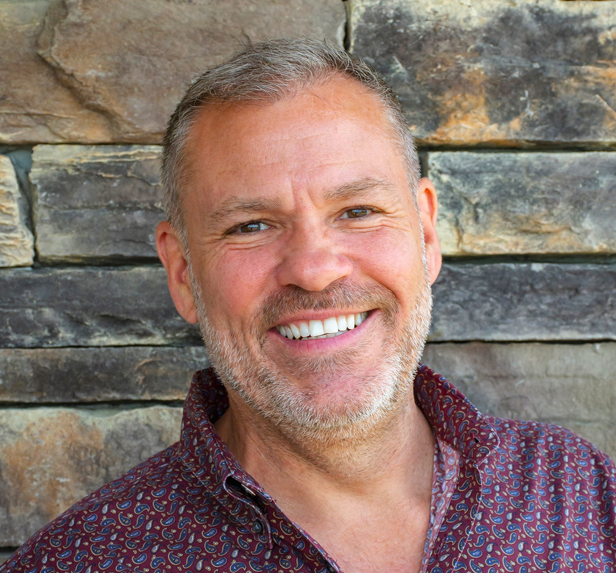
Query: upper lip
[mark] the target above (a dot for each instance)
(308, 315)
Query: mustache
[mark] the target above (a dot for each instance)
(341, 296)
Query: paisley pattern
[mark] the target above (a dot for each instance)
(508, 497)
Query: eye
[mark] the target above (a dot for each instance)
(250, 227)
(357, 213)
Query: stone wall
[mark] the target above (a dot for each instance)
(513, 103)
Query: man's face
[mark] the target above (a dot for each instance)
(300, 220)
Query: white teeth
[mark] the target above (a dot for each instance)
(316, 328)
(342, 323)
(330, 325)
(333, 326)
(303, 329)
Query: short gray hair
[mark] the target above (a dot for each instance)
(269, 72)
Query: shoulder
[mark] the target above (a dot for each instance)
(552, 467)
(532, 443)
(113, 525)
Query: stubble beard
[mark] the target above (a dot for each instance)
(297, 414)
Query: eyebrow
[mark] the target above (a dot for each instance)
(361, 187)
(234, 204)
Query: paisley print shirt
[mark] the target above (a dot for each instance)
(509, 497)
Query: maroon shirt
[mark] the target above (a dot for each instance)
(507, 496)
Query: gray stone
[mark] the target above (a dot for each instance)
(525, 302)
(50, 307)
(52, 457)
(518, 203)
(571, 385)
(4, 556)
(96, 202)
(15, 237)
(100, 374)
(108, 72)
(495, 72)
(90, 306)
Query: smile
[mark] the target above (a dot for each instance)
(327, 328)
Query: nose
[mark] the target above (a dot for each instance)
(311, 261)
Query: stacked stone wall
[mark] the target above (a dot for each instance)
(513, 103)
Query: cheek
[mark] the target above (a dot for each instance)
(392, 258)
(236, 283)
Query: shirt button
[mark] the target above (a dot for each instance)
(257, 527)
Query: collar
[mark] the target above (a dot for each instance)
(453, 418)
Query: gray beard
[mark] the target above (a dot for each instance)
(293, 412)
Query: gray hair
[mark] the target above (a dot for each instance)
(269, 72)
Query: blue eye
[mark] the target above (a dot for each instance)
(252, 227)
(356, 213)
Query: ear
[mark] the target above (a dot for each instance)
(428, 210)
(171, 254)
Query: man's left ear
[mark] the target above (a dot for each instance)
(171, 254)
(428, 210)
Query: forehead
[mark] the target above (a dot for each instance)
(336, 129)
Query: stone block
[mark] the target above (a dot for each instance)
(97, 306)
(520, 203)
(495, 72)
(571, 385)
(505, 301)
(96, 202)
(34, 105)
(15, 237)
(52, 457)
(99, 374)
(91, 306)
(105, 72)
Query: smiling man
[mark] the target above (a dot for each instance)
(303, 241)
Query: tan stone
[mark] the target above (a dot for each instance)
(16, 241)
(34, 105)
(113, 71)
(51, 458)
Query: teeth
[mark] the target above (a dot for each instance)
(328, 328)
(316, 328)
(303, 329)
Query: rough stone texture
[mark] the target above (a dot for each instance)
(96, 202)
(89, 307)
(15, 237)
(125, 306)
(34, 105)
(500, 72)
(525, 302)
(98, 374)
(518, 203)
(571, 385)
(113, 71)
(51, 458)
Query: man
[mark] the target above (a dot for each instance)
(302, 240)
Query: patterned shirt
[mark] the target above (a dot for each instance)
(508, 497)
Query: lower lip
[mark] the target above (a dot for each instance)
(308, 345)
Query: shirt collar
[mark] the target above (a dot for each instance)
(452, 417)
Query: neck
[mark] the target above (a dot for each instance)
(393, 459)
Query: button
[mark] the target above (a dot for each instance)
(257, 527)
